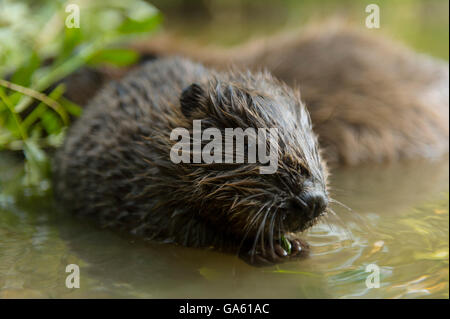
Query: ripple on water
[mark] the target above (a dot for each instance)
(399, 221)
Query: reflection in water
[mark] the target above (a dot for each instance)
(399, 221)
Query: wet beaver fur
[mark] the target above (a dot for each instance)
(115, 165)
(370, 99)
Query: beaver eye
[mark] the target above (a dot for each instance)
(305, 172)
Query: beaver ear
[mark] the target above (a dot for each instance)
(191, 98)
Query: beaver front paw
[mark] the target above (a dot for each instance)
(267, 257)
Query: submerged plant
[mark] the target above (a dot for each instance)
(39, 47)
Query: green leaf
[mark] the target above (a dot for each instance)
(41, 108)
(141, 26)
(37, 165)
(71, 107)
(24, 73)
(39, 59)
(117, 57)
(72, 38)
(34, 153)
(51, 122)
(286, 244)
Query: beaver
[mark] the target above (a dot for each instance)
(115, 166)
(370, 98)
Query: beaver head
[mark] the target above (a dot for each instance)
(236, 198)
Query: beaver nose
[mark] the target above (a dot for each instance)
(313, 203)
(317, 202)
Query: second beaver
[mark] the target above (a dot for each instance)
(370, 98)
(115, 165)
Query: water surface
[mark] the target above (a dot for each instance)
(399, 221)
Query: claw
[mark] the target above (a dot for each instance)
(280, 251)
(296, 247)
(267, 257)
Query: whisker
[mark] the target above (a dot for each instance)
(354, 215)
(271, 226)
(340, 222)
(332, 200)
(252, 252)
(250, 226)
(264, 226)
(257, 234)
(279, 232)
(261, 232)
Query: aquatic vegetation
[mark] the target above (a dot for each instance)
(39, 46)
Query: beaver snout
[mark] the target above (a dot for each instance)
(316, 202)
(304, 208)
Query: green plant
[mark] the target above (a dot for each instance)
(37, 50)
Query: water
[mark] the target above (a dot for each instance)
(399, 221)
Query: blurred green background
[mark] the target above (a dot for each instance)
(421, 24)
